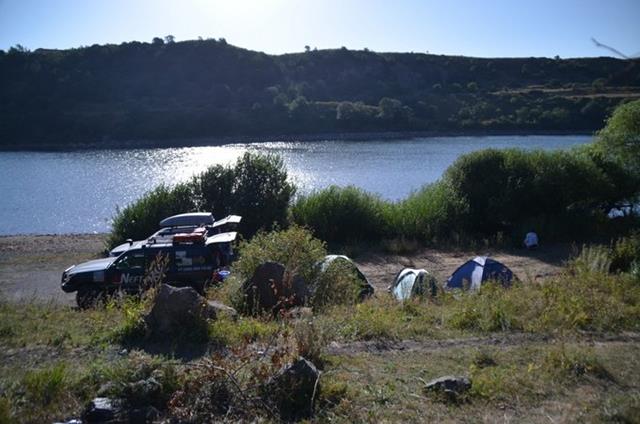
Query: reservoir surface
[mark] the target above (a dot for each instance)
(80, 191)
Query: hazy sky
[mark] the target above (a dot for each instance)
(487, 28)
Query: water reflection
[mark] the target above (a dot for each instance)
(59, 192)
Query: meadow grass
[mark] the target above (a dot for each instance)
(55, 358)
(535, 381)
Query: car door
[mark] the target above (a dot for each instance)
(128, 270)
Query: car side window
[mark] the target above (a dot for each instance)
(131, 261)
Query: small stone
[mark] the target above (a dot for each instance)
(300, 312)
(101, 410)
(220, 308)
(451, 386)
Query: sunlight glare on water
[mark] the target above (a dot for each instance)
(79, 191)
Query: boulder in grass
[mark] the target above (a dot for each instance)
(175, 309)
(294, 389)
(271, 288)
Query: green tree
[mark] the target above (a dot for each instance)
(141, 218)
(620, 138)
(256, 187)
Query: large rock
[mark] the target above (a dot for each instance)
(294, 389)
(271, 288)
(175, 309)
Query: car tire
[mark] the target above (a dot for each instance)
(199, 287)
(87, 298)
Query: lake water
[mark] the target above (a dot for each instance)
(79, 191)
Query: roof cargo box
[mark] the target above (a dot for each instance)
(187, 219)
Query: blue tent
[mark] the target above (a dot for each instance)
(473, 273)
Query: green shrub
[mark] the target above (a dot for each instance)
(620, 138)
(295, 248)
(141, 218)
(337, 285)
(493, 194)
(241, 331)
(625, 255)
(624, 180)
(131, 329)
(341, 214)
(5, 411)
(256, 187)
(562, 362)
(123, 375)
(310, 340)
(46, 385)
(584, 299)
(504, 188)
(591, 259)
(429, 214)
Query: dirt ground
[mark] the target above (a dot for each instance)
(31, 266)
(382, 268)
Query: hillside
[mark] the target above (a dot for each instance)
(208, 88)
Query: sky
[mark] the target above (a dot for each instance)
(481, 28)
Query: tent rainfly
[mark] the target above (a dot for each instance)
(365, 287)
(412, 282)
(471, 274)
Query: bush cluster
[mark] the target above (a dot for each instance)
(295, 248)
(140, 219)
(482, 194)
(256, 188)
(342, 214)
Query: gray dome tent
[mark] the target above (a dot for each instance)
(412, 282)
(471, 274)
(366, 289)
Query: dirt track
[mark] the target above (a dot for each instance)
(31, 266)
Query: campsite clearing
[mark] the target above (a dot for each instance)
(377, 358)
(31, 265)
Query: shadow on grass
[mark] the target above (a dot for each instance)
(187, 343)
(184, 351)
